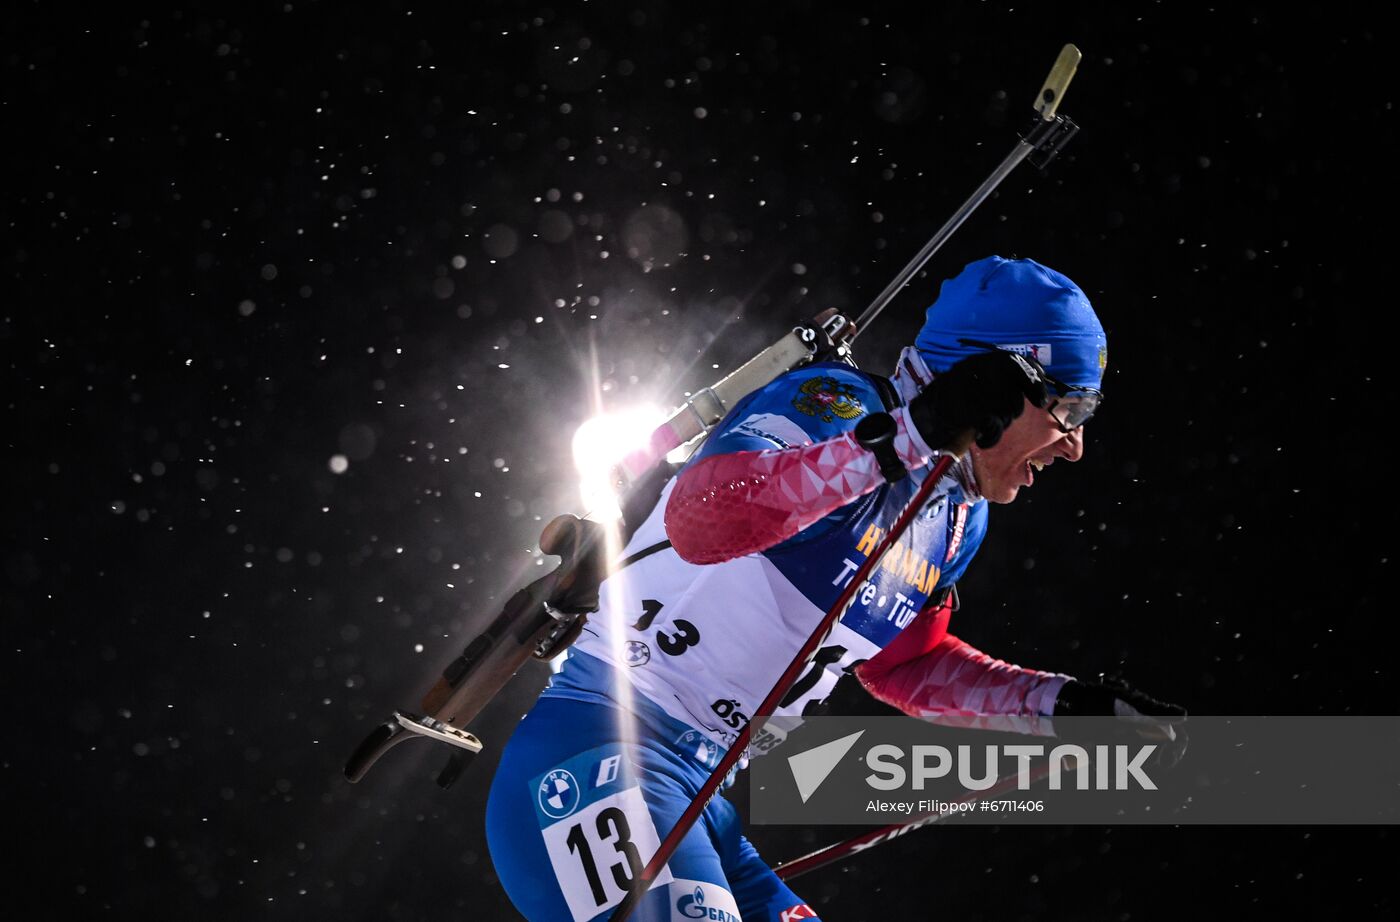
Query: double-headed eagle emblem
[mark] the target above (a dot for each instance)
(827, 398)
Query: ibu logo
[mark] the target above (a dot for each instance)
(558, 794)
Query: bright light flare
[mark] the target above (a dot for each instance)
(599, 444)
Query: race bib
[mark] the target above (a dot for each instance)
(596, 828)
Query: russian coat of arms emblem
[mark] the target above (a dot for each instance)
(826, 398)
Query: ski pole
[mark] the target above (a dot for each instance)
(799, 663)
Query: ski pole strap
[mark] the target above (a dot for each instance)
(642, 882)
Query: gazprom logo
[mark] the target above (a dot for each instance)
(692, 906)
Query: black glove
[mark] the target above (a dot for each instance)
(983, 392)
(1144, 716)
(1112, 697)
(849, 699)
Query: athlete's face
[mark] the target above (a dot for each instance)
(1033, 440)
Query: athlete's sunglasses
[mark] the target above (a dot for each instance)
(1073, 404)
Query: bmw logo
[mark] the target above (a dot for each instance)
(558, 794)
(699, 747)
(637, 653)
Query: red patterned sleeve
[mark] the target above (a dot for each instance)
(927, 672)
(743, 502)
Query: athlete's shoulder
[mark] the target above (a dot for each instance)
(810, 404)
(847, 390)
(832, 394)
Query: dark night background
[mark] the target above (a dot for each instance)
(239, 241)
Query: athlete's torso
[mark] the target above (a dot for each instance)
(706, 643)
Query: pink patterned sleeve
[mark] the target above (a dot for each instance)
(743, 502)
(954, 679)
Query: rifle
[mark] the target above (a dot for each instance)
(546, 616)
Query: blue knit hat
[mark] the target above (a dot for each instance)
(1020, 305)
